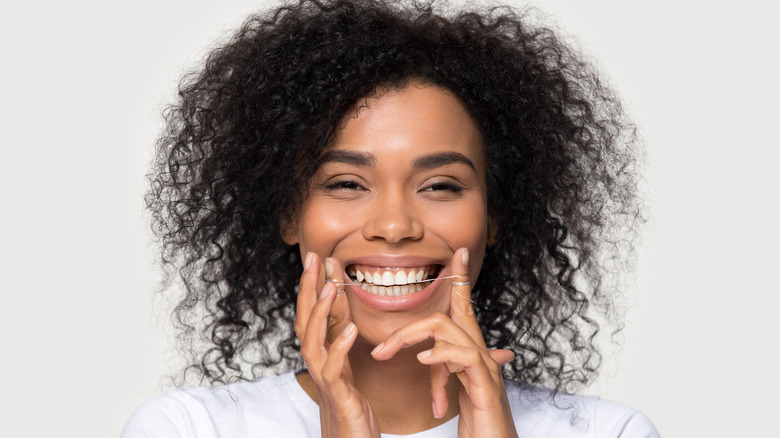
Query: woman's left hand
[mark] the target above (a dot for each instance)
(460, 349)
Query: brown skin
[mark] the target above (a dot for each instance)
(375, 204)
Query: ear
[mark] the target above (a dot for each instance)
(289, 231)
(492, 229)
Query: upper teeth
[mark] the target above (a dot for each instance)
(388, 278)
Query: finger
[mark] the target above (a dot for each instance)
(307, 292)
(336, 363)
(334, 273)
(437, 327)
(468, 364)
(337, 375)
(461, 305)
(313, 344)
(440, 375)
(339, 313)
(502, 357)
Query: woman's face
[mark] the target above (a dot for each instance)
(398, 190)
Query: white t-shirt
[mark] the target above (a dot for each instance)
(278, 407)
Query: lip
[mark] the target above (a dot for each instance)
(386, 261)
(395, 304)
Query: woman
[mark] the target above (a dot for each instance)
(450, 186)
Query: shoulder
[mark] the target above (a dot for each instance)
(539, 412)
(271, 404)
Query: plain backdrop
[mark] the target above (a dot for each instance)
(82, 86)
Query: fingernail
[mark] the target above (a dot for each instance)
(378, 348)
(307, 262)
(329, 267)
(326, 290)
(464, 257)
(422, 355)
(435, 411)
(349, 330)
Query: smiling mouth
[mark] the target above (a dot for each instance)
(392, 282)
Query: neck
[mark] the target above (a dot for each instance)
(398, 390)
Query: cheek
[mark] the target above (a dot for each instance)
(463, 226)
(466, 228)
(321, 228)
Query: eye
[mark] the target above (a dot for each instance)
(344, 185)
(443, 186)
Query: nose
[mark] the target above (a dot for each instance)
(393, 219)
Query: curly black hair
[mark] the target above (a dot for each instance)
(244, 136)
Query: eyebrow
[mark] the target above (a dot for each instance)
(347, 157)
(442, 159)
(364, 159)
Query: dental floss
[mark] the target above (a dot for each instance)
(339, 286)
(467, 299)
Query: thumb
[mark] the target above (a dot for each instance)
(460, 300)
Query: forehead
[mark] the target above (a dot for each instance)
(415, 120)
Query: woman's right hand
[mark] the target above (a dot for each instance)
(326, 333)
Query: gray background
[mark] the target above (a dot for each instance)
(81, 87)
